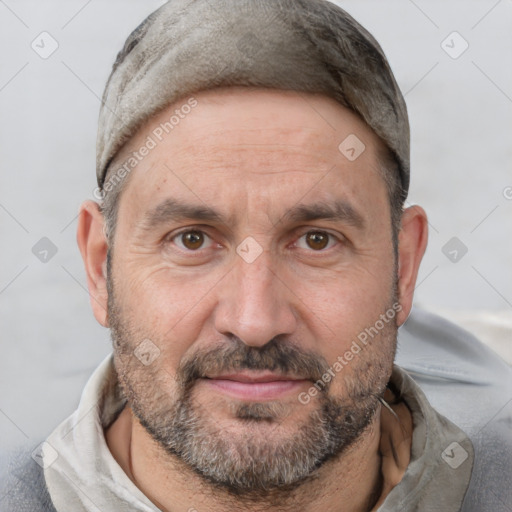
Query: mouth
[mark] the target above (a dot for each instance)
(257, 386)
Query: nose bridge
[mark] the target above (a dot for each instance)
(254, 305)
(257, 286)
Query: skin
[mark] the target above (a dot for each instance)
(253, 156)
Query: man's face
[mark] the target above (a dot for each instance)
(252, 253)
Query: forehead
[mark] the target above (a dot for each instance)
(260, 150)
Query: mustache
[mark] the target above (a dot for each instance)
(275, 356)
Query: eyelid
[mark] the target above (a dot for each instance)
(170, 237)
(300, 233)
(311, 229)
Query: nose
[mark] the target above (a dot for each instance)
(254, 304)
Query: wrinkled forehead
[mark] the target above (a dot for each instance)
(261, 152)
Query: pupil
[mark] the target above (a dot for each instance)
(317, 240)
(193, 239)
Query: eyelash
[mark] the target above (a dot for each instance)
(201, 230)
(174, 236)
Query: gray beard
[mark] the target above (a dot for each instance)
(245, 466)
(259, 463)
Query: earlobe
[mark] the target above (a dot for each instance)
(413, 239)
(93, 246)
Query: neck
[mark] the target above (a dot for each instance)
(349, 483)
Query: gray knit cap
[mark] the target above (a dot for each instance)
(304, 45)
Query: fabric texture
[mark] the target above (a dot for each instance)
(301, 45)
(23, 488)
(469, 384)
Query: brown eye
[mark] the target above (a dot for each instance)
(317, 240)
(192, 240)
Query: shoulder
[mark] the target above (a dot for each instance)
(22, 482)
(470, 385)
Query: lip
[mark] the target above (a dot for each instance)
(255, 385)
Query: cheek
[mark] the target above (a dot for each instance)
(339, 308)
(169, 308)
(355, 296)
(361, 364)
(155, 291)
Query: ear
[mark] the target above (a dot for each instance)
(93, 247)
(412, 242)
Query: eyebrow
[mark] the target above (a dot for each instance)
(172, 210)
(340, 210)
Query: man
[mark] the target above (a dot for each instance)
(253, 260)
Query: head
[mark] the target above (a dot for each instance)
(262, 232)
